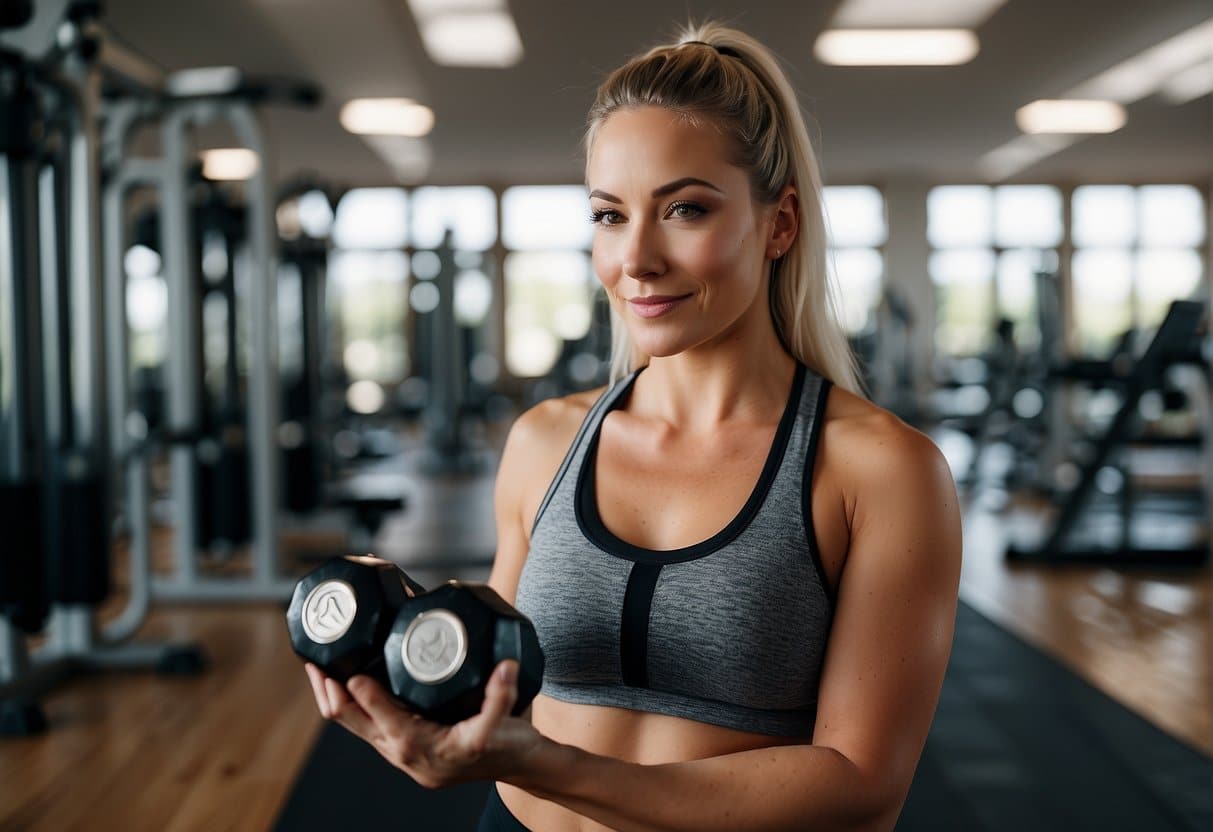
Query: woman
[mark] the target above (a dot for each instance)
(778, 670)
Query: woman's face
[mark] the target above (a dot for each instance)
(679, 242)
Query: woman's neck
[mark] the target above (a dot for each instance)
(702, 388)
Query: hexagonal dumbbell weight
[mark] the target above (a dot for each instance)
(342, 611)
(444, 646)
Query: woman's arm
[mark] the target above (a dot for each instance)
(534, 449)
(795, 787)
(885, 662)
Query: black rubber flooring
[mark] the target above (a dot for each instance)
(1018, 743)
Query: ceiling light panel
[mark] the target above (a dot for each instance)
(472, 33)
(1069, 116)
(226, 164)
(387, 117)
(477, 39)
(875, 14)
(896, 47)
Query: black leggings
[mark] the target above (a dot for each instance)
(497, 818)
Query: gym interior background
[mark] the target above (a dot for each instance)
(249, 321)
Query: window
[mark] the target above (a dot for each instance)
(857, 228)
(549, 282)
(146, 306)
(987, 246)
(549, 301)
(1137, 250)
(368, 274)
(470, 214)
(543, 218)
(372, 218)
(373, 287)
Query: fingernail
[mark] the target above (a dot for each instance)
(508, 673)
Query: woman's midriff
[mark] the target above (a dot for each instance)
(644, 738)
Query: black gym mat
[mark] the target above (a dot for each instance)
(1018, 742)
(346, 785)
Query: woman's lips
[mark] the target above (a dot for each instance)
(656, 305)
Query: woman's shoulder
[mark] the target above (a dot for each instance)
(870, 448)
(540, 437)
(553, 423)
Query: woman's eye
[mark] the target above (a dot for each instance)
(686, 210)
(604, 216)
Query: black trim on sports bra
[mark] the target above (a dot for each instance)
(806, 490)
(634, 624)
(572, 451)
(590, 521)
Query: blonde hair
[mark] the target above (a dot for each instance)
(728, 78)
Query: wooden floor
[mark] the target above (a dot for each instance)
(134, 751)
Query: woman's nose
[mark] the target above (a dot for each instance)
(643, 257)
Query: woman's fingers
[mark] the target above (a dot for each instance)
(336, 704)
(317, 680)
(349, 713)
(499, 698)
(375, 701)
(401, 735)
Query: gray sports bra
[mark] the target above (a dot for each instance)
(730, 631)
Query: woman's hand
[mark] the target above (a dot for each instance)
(488, 746)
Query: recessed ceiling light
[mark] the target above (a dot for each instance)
(225, 164)
(896, 47)
(1070, 116)
(479, 39)
(873, 14)
(387, 117)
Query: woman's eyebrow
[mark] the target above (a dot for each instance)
(679, 184)
(664, 190)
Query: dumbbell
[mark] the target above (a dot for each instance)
(342, 611)
(435, 651)
(444, 646)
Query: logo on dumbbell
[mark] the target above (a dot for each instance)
(329, 611)
(434, 646)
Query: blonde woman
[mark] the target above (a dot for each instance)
(743, 574)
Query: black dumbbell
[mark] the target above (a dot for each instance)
(342, 611)
(444, 646)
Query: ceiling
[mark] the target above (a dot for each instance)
(522, 125)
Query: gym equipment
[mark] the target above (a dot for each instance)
(196, 97)
(891, 369)
(24, 604)
(370, 497)
(446, 447)
(22, 569)
(445, 644)
(58, 420)
(305, 462)
(342, 611)
(1176, 342)
(311, 478)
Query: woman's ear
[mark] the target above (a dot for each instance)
(786, 223)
